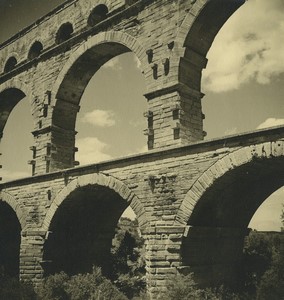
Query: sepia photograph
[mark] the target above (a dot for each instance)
(141, 149)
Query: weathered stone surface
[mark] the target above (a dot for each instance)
(191, 197)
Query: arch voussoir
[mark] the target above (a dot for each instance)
(82, 181)
(15, 83)
(99, 179)
(125, 192)
(230, 161)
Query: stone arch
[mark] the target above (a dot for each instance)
(4, 62)
(82, 221)
(72, 81)
(10, 64)
(11, 93)
(103, 38)
(19, 210)
(17, 84)
(35, 50)
(102, 180)
(264, 160)
(12, 222)
(196, 34)
(64, 33)
(97, 14)
(219, 206)
(109, 4)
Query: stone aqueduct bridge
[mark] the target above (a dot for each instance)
(193, 199)
(193, 205)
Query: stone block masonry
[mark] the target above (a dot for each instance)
(193, 204)
(51, 62)
(193, 199)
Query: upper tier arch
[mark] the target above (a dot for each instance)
(196, 35)
(11, 92)
(83, 64)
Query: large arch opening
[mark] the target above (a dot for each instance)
(243, 75)
(9, 98)
(10, 240)
(243, 79)
(82, 230)
(16, 125)
(242, 83)
(241, 190)
(110, 117)
(87, 230)
(219, 221)
(199, 39)
(111, 112)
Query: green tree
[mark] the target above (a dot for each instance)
(257, 259)
(271, 285)
(54, 287)
(183, 287)
(128, 259)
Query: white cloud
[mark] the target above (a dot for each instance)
(13, 175)
(271, 122)
(101, 118)
(248, 48)
(91, 150)
(116, 64)
(113, 63)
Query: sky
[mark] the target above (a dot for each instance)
(243, 83)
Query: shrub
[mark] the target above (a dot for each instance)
(93, 286)
(54, 287)
(183, 287)
(272, 282)
(79, 287)
(131, 285)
